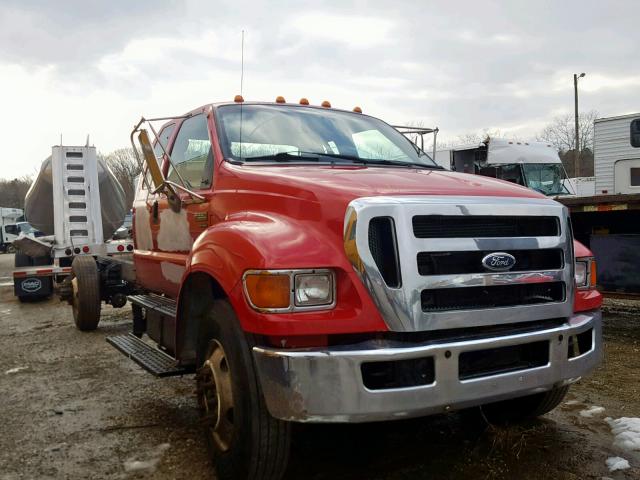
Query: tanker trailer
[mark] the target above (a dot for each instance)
(79, 203)
(40, 201)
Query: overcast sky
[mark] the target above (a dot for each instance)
(94, 67)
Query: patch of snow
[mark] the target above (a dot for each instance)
(572, 402)
(591, 411)
(15, 370)
(148, 465)
(617, 463)
(626, 431)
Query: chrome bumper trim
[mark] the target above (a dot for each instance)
(325, 385)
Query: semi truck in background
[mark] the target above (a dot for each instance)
(535, 165)
(310, 264)
(9, 231)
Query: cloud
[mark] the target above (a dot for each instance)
(95, 67)
(354, 32)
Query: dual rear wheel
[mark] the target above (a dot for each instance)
(85, 293)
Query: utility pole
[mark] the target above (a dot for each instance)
(576, 150)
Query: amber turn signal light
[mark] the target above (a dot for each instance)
(267, 290)
(593, 274)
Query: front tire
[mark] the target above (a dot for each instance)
(520, 409)
(85, 299)
(244, 440)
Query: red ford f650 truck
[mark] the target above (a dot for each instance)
(311, 264)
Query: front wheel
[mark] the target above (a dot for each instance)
(244, 440)
(524, 408)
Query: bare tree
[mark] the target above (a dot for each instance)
(12, 192)
(561, 133)
(124, 166)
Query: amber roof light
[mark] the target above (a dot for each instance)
(238, 99)
(280, 99)
(357, 109)
(326, 104)
(304, 101)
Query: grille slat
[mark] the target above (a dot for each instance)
(468, 298)
(484, 226)
(463, 262)
(383, 247)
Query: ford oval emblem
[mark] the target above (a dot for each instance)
(499, 261)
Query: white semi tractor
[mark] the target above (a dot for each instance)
(535, 165)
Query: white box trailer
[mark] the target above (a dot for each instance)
(8, 228)
(617, 154)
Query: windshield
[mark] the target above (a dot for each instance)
(546, 178)
(291, 133)
(26, 228)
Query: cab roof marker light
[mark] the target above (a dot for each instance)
(326, 104)
(238, 99)
(304, 101)
(280, 99)
(357, 109)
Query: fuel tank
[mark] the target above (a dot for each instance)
(38, 205)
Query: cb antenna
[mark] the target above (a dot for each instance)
(241, 88)
(242, 63)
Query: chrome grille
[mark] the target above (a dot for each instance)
(440, 242)
(484, 226)
(448, 263)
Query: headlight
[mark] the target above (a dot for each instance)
(278, 291)
(585, 273)
(312, 289)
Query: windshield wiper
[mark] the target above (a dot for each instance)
(296, 155)
(285, 157)
(377, 161)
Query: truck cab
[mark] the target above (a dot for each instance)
(311, 264)
(535, 165)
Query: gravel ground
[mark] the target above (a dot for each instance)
(73, 407)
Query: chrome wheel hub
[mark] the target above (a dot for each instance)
(215, 396)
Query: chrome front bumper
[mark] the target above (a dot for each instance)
(326, 385)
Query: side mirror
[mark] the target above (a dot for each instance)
(150, 160)
(159, 183)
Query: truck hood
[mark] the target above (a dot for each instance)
(344, 183)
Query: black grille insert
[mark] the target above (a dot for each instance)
(461, 298)
(484, 226)
(383, 247)
(492, 361)
(398, 373)
(450, 263)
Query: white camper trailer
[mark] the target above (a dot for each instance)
(617, 154)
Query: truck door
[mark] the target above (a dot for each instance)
(10, 233)
(173, 233)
